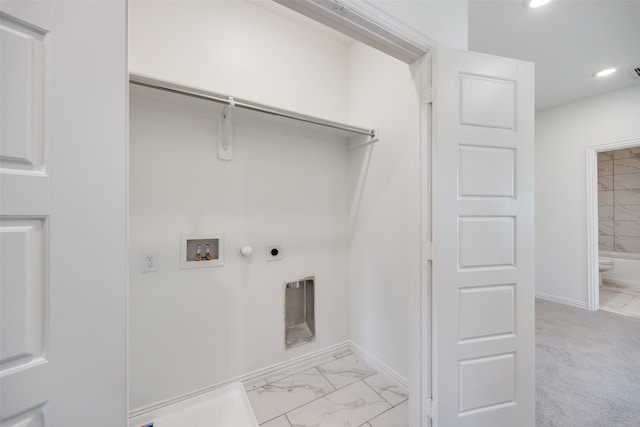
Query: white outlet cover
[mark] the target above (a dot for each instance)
(150, 261)
(271, 247)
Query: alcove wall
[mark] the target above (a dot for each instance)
(349, 217)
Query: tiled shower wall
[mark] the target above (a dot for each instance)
(619, 200)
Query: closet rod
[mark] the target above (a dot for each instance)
(211, 96)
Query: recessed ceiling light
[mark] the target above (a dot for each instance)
(537, 3)
(605, 72)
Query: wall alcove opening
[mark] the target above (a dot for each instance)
(331, 207)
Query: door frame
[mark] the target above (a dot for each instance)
(593, 274)
(425, 369)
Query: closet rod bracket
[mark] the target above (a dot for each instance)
(372, 139)
(225, 145)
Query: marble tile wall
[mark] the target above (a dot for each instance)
(619, 200)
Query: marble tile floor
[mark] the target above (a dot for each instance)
(339, 391)
(619, 299)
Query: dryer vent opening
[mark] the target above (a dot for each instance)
(299, 308)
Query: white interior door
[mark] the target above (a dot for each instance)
(481, 226)
(63, 269)
(24, 210)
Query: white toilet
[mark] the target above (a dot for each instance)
(604, 264)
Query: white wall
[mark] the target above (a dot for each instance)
(562, 135)
(283, 186)
(237, 48)
(206, 326)
(196, 327)
(385, 236)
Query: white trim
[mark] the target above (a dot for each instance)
(593, 273)
(399, 29)
(562, 300)
(421, 393)
(622, 282)
(253, 377)
(299, 363)
(380, 366)
(620, 255)
(367, 24)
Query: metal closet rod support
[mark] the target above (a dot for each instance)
(211, 96)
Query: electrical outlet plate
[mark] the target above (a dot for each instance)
(274, 252)
(150, 261)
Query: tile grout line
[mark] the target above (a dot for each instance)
(379, 394)
(317, 398)
(327, 379)
(374, 372)
(383, 412)
(376, 392)
(301, 369)
(306, 403)
(336, 390)
(321, 397)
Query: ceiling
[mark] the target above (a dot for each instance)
(568, 40)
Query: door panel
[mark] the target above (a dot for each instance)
(482, 231)
(21, 98)
(24, 210)
(22, 289)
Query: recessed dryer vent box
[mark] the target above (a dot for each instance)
(201, 250)
(299, 309)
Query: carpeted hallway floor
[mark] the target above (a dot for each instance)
(587, 368)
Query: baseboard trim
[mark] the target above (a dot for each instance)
(299, 363)
(624, 283)
(380, 366)
(562, 300)
(253, 377)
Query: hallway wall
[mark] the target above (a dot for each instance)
(562, 135)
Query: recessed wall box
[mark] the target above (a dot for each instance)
(201, 250)
(274, 252)
(299, 309)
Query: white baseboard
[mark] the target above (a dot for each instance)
(260, 375)
(562, 300)
(380, 367)
(271, 373)
(624, 283)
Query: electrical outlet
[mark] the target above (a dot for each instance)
(150, 261)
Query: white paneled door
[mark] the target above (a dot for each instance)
(24, 210)
(481, 275)
(63, 269)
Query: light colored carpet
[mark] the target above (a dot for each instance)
(587, 368)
